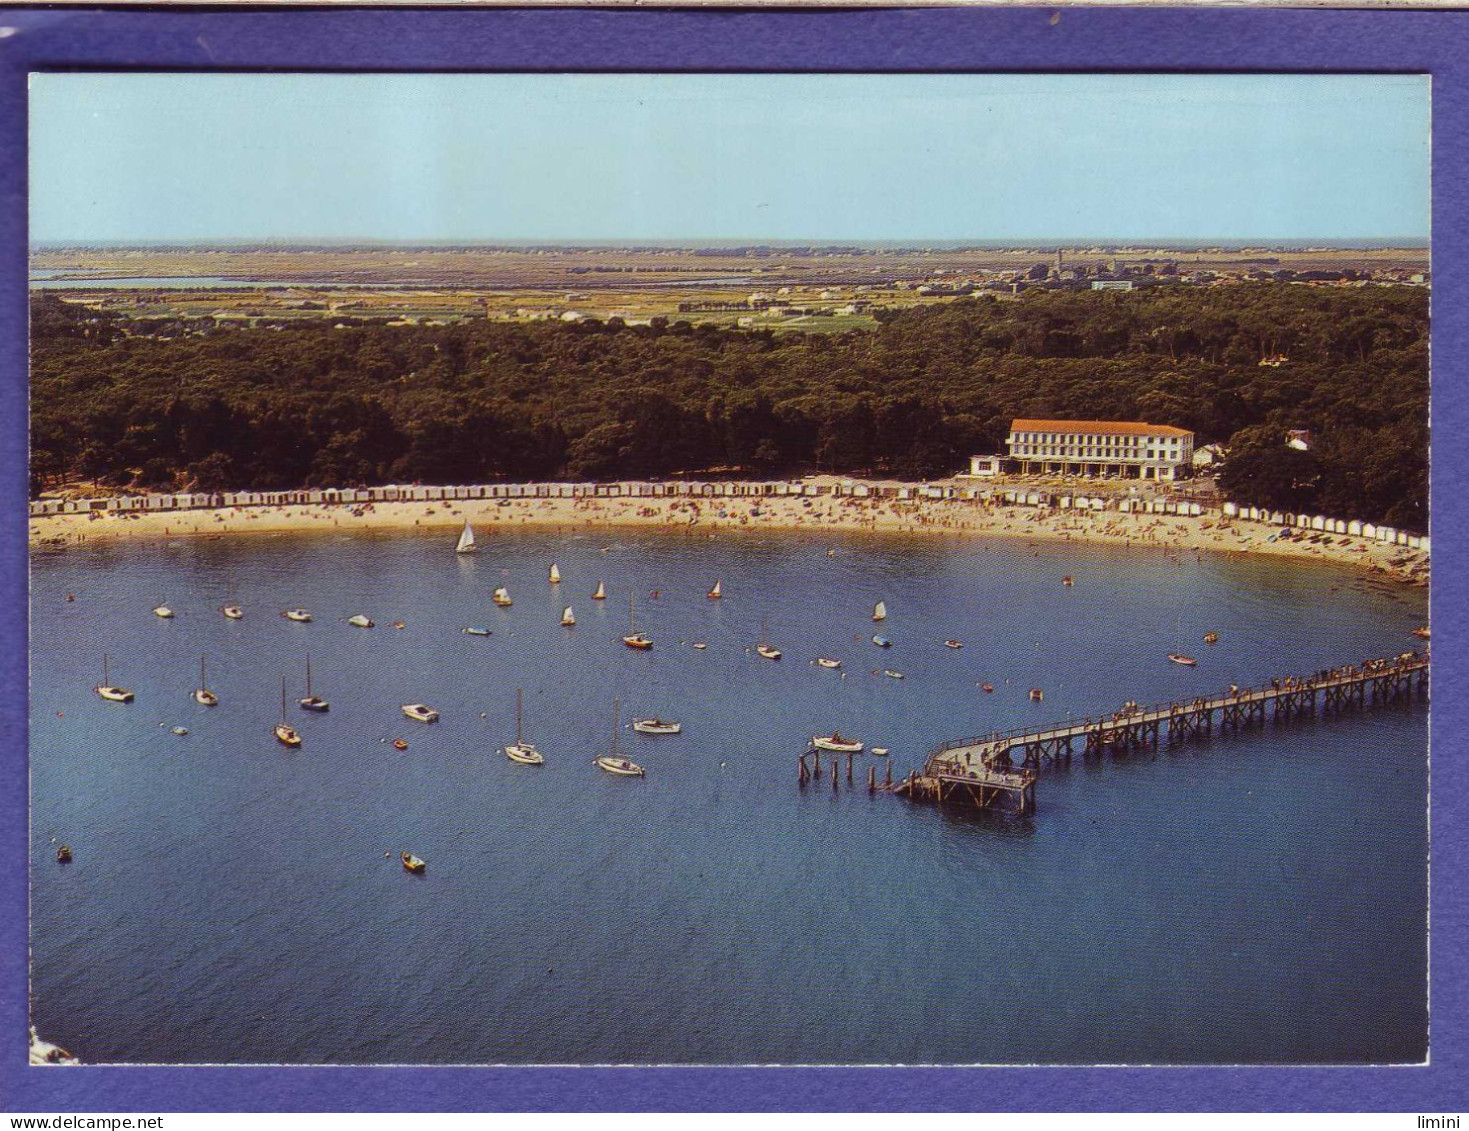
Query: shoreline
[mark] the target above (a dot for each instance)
(1211, 532)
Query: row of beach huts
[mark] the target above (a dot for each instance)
(720, 489)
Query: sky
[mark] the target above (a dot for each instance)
(204, 157)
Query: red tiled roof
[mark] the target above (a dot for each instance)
(1095, 427)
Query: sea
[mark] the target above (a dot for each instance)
(1256, 899)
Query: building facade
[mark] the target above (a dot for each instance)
(1106, 449)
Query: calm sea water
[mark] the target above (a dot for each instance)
(1260, 899)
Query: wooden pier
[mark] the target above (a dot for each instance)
(982, 772)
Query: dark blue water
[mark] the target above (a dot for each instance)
(1260, 899)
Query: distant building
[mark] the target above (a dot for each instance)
(1208, 455)
(1102, 448)
(1112, 284)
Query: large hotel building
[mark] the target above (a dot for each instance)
(1107, 449)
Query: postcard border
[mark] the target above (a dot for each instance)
(944, 40)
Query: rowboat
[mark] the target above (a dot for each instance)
(412, 863)
(836, 743)
(953, 644)
(892, 674)
(656, 726)
(1179, 658)
(827, 662)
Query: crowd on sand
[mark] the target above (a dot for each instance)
(1211, 532)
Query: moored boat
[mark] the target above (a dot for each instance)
(699, 645)
(163, 611)
(828, 662)
(312, 702)
(1180, 658)
(953, 644)
(412, 863)
(878, 751)
(882, 641)
(301, 616)
(107, 691)
(420, 712)
(1211, 638)
(522, 751)
(360, 620)
(656, 726)
(63, 854)
(1422, 632)
(234, 612)
(987, 687)
(399, 744)
(178, 730)
(285, 734)
(473, 631)
(612, 761)
(634, 638)
(501, 597)
(836, 743)
(1066, 581)
(891, 674)
(202, 694)
(1036, 695)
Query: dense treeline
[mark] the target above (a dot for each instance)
(308, 403)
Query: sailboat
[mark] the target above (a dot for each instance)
(523, 752)
(568, 618)
(466, 539)
(765, 648)
(612, 761)
(880, 611)
(1179, 657)
(555, 578)
(717, 592)
(202, 694)
(601, 593)
(635, 639)
(284, 733)
(107, 691)
(501, 597)
(312, 702)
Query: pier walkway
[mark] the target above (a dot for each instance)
(982, 771)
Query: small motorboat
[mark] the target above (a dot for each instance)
(892, 674)
(1211, 638)
(399, 744)
(656, 726)
(412, 863)
(1180, 658)
(882, 641)
(953, 644)
(419, 712)
(717, 592)
(63, 854)
(879, 751)
(301, 616)
(286, 735)
(767, 651)
(700, 645)
(1036, 695)
(987, 688)
(234, 612)
(163, 611)
(501, 597)
(179, 730)
(836, 743)
(472, 631)
(360, 621)
(828, 662)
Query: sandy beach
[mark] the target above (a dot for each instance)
(1212, 532)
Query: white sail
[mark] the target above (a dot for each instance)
(466, 539)
(568, 618)
(500, 596)
(555, 575)
(601, 593)
(718, 590)
(880, 611)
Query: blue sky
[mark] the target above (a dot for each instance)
(195, 157)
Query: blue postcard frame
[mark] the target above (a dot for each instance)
(1027, 39)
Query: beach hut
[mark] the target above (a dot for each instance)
(1369, 530)
(1230, 510)
(1318, 523)
(1423, 544)
(1354, 528)
(1386, 534)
